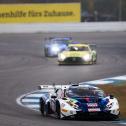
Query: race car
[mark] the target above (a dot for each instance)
(79, 101)
(78, 54)
(55, 45)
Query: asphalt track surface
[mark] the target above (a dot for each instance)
(23, 67)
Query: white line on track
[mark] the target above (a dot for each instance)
(33, 106)
(122, 122)
(99, 82)
(120, 78)
(30, 100)
(35, 95)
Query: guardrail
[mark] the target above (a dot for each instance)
(63, 27)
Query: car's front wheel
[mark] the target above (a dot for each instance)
(46, 52)
(42, 106)
(94, 59)
(58, 111)
(48, 109)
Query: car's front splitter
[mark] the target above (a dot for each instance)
(96, 115)
(74, 63)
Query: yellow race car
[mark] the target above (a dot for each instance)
(78, 54)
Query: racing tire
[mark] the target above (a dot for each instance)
(42, 107)
(48, 110)
(115, 118)
(46, 52)
(94, 61)
(60, 64)
(58, 111)
(91, 62)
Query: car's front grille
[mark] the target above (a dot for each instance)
(74, 59)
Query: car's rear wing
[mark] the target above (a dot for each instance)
(53, 86)
(70, 38)
(45, 87)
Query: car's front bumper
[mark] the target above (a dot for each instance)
(74, 60)
(92, 115)
(95, 115)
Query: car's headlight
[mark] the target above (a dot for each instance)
(61, 57)
(55, 49)
(74, 105)
(87, 57)
(110, 105)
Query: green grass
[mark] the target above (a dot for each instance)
(119, 91)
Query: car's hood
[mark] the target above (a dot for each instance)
(87, 104)
(75, 53)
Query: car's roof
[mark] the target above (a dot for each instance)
(78, 45)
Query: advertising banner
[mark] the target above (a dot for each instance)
(40, 13)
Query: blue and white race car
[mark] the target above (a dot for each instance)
(55, 45)
(78, 101)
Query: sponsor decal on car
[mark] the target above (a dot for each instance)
(92, 104)
(94, 110)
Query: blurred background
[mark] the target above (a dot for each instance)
(91, 10)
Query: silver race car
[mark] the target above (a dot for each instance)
(78, 101)
(55, 45)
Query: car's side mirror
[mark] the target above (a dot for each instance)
(53, 96)
(111, 96)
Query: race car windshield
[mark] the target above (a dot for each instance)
(75, 48)
(84, 92)
(60, 42)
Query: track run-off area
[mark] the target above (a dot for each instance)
(23, 67)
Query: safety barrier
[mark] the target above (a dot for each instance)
(63, 27)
